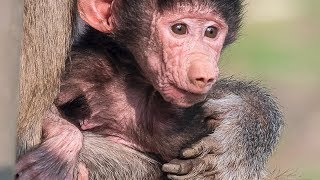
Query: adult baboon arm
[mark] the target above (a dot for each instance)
(47, 31)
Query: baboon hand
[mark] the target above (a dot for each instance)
(197, 161)
(53, 158)
(42, 163)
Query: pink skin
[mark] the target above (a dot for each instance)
(186, 67)
(57, 131)
(175, 66)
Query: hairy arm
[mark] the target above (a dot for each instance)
(248, 128)
(45, 45)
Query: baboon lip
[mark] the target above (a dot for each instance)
(189, 92)
(189, 98)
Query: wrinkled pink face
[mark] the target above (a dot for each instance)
(190, 43)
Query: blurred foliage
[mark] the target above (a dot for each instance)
(278, 48)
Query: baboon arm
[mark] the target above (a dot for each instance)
(249, 125)
(47, 30)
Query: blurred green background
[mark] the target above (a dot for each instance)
(280, 46)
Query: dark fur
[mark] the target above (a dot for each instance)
(247, 134)
(256, 125)
(161, 127)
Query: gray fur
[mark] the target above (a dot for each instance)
(113, 161)
(243, 140)
(249, 132)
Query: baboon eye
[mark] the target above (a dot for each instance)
(211, 32)
(179, 29)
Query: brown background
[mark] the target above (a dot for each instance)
(10, 30)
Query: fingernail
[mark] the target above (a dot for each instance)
(188, 152)
(170, 168)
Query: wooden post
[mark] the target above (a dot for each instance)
(10, 33)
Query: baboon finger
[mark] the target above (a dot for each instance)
(193, 151)
(175, 177)
(202, 169)
(179, 167)
(205, 146)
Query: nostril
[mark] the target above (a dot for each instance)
(210, 80)
(201, 74)
(200, 79)
(204, 80)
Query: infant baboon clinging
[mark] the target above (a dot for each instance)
(142, 86)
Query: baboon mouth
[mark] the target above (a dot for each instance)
(182, 97)
(189, 92)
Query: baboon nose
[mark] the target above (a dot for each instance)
(201, 74)
(203, 81)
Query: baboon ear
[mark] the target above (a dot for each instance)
(97, 13)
